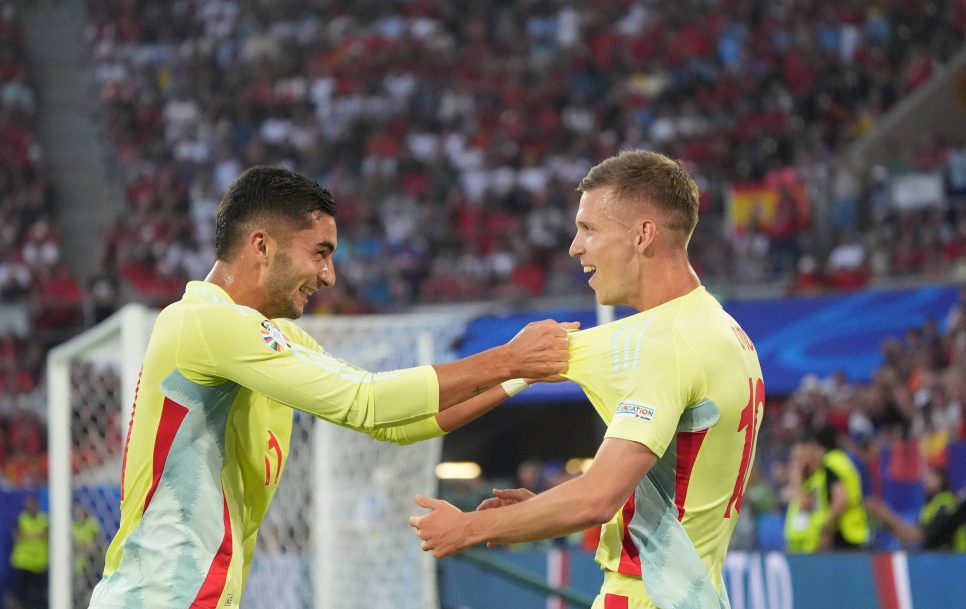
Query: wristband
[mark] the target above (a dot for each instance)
(514, 386)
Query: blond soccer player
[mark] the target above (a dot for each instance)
(680, 387)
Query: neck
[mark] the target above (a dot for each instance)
(233, 281)
(667, 279)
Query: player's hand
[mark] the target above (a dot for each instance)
(540, 349)
(504, 497)
(441, 530)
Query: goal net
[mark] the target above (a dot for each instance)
(336, 536)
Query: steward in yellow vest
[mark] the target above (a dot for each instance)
(848, 523)
(826, 510)
(806, 513)
(940, 504)
(29, 557)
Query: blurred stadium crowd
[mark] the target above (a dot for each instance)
(452, 134)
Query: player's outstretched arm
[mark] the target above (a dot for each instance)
(538, 350)
(446, 421)
(230, 344)
(592, 498)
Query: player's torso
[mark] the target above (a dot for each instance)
(717, 463)
(201, 465)
(704, 470)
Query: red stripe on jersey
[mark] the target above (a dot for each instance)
(689, 443)
(214, 583)
(130, 426)
(172, 414)
(615, 601)
(885, 581)
(630, 563)
(274, 445)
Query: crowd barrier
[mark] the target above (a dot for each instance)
(772, 580)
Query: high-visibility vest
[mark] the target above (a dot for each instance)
(929, 511)
(85, 532)
(803, 528)
(853, 525)
(30, 552)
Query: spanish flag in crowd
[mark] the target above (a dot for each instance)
(771, 204)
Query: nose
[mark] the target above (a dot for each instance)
(576, 248)
(327, 274)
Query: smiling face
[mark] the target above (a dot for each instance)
(301, 265)
(608, 246)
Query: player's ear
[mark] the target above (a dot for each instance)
(259, 243)
(646, 234)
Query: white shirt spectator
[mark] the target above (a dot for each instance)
(225, 172)
(180, 116)
(545, 225)
(502, 179)
(276, 130)
(501, 263)
(847, 255)
(475, 182)
(400, 86)
(422, 28)
(568, 169)
(534, 178)
(14, 276)
(568, 27)
(578, 119)
(424, 145)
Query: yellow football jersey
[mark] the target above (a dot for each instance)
(684, 380)
(209, 438)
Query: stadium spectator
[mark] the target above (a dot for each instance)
(829, 490)
(477, 149)
(847, 264)
(942, 521)
(87, 550)
(29, 556)
(29, 258)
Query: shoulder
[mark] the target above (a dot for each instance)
(220, 326)
(703, 324)
(220, 316)
(294, 334)
(839, 463)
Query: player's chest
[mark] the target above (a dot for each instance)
(260, 431)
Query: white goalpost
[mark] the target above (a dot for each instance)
(336, 536)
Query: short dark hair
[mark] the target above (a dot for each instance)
(651, 177)
(824, 436)
(267, 192)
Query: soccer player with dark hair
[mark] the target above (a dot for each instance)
(223, 371)
(680, 387)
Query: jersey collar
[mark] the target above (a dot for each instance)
(203, 291)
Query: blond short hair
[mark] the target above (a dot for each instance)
(649, 177)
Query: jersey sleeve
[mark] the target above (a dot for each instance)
(235, 343)
(409, 433)
(666, 382)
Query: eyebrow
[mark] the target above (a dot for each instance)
(326, 245)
